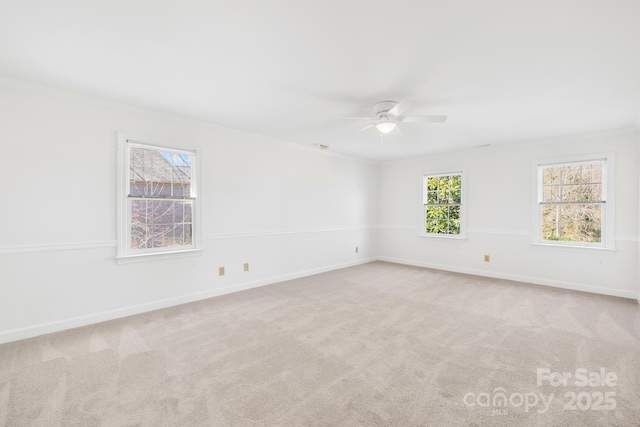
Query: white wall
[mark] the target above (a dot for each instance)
(287, 210)
(499, 217)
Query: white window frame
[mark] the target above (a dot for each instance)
(607, 239)
(463, 203)
(125, 253)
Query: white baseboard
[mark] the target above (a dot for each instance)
(75, 322)
(518, 278)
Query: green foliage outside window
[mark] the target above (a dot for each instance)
(443, 197)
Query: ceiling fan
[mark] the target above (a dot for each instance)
(387, 115)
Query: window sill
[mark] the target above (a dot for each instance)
(157, 256)
(444, 236)
(573, 248)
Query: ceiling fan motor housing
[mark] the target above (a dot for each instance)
(382, 108)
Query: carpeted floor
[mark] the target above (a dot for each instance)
(375, 345)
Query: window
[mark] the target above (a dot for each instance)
(443, 204)
(573, 203)
(158, 199)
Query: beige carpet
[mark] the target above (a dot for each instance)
(374, 345)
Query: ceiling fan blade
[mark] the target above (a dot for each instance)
(364, 128)
(425, 119)
(401, 107)
(356, 118)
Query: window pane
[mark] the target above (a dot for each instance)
(551, 175)
(572, 223)
(136, 188)
(432, 197)
(571, 193)
(442, 219)
(159, 173)
(571, 174)
(178, 232)
(160, 223)
(551, 193)
(188, 234)
(431, 225)
(592, 173)
(591, 223)
(181, 190)
(435, 217)
(551, 222)
(444, 190)
(591, 192)
(454, 220)
(433, 212)
(139, 224)
(162, 211)
(432, 183)
(186, 212)
(575, 183)
(455, 189)
(162, 236)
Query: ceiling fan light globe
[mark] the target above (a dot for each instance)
(386, 127)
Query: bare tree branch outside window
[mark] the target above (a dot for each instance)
(160, 202)
(572, 202)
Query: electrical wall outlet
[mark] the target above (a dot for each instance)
(487, 258)
(246, 266)
(356, 249)
(220, 271)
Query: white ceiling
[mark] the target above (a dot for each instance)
(503, 71)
